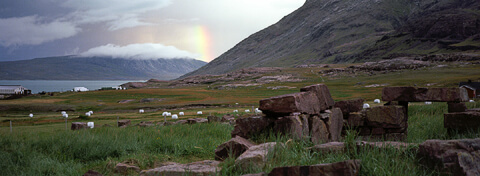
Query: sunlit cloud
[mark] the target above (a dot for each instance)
(139, 51)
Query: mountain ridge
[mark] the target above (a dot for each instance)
(335, 31)
(96, 68)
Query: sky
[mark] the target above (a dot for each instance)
(135, 29)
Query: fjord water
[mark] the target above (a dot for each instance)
(64, 85)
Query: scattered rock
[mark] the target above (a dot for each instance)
(125, 168)
(227, 118)
(126, 101)
(180, 122)
(344, 168)
(146, 124)
(206, 167)
(235, 146)
(456, 157)
(412, 94)
(212, 119)
(92, 173)
(79, 125)
(149, 100)
(124, 123)
(331, 147)
(255, 156)
(197, 120)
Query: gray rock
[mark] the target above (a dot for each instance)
(344, 168)
(255, 156)
(235, 146)
(412, 94)
(125, 168)
(79, 125)
(206, 167)
(123, 123)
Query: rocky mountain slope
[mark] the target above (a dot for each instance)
(96, 68)
(337, 31)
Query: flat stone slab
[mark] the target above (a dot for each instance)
(323, 94)
(462, 120)
(350, 106)
(206, 167)
(412, 94)
(344, 168)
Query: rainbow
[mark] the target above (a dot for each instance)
(203, 43)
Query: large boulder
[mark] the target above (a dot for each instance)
(234, 147)
(255, 156)
(344, 168)
(457, 157)
(412, 94)
(349, 106)
(462, 120)
(386, 117)
(79, 125)
(246, 127)
(206, 167)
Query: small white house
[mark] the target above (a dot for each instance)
(80, 89)
(13, 90)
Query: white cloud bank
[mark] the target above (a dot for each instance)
(139, 51)
(33, 30)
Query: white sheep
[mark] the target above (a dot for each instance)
(471, 101)
(428, 102)
(63, 112)
(30, 115)
(91, 112)
(181, 113)
(247, 110)
(65, 115)
(236, 110)
(169, 114)
(141, 111)
(376, 101)
(258, 110)
(88, 114)
(366, 105)
(164, 113)
(199, 112)
(174, 116)
(90, 124)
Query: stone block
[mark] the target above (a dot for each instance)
(335, 124)
(318, 130)
(462, 120)
(355, 119)
(323, 94)
(291, 125)
(386, 117)
(456, 107)
(246, 127)
(350, 106)
(206, 167)
(302, 102)
(412, 94)
(255, 156)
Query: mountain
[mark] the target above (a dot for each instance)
(96, 68)
(342, 31)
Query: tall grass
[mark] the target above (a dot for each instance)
(74, 152)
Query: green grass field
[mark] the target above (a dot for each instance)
(41, 145)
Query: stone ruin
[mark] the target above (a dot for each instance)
(308, 114)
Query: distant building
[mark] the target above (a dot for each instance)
(14, 90)
(80, 89)
(472, 88)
